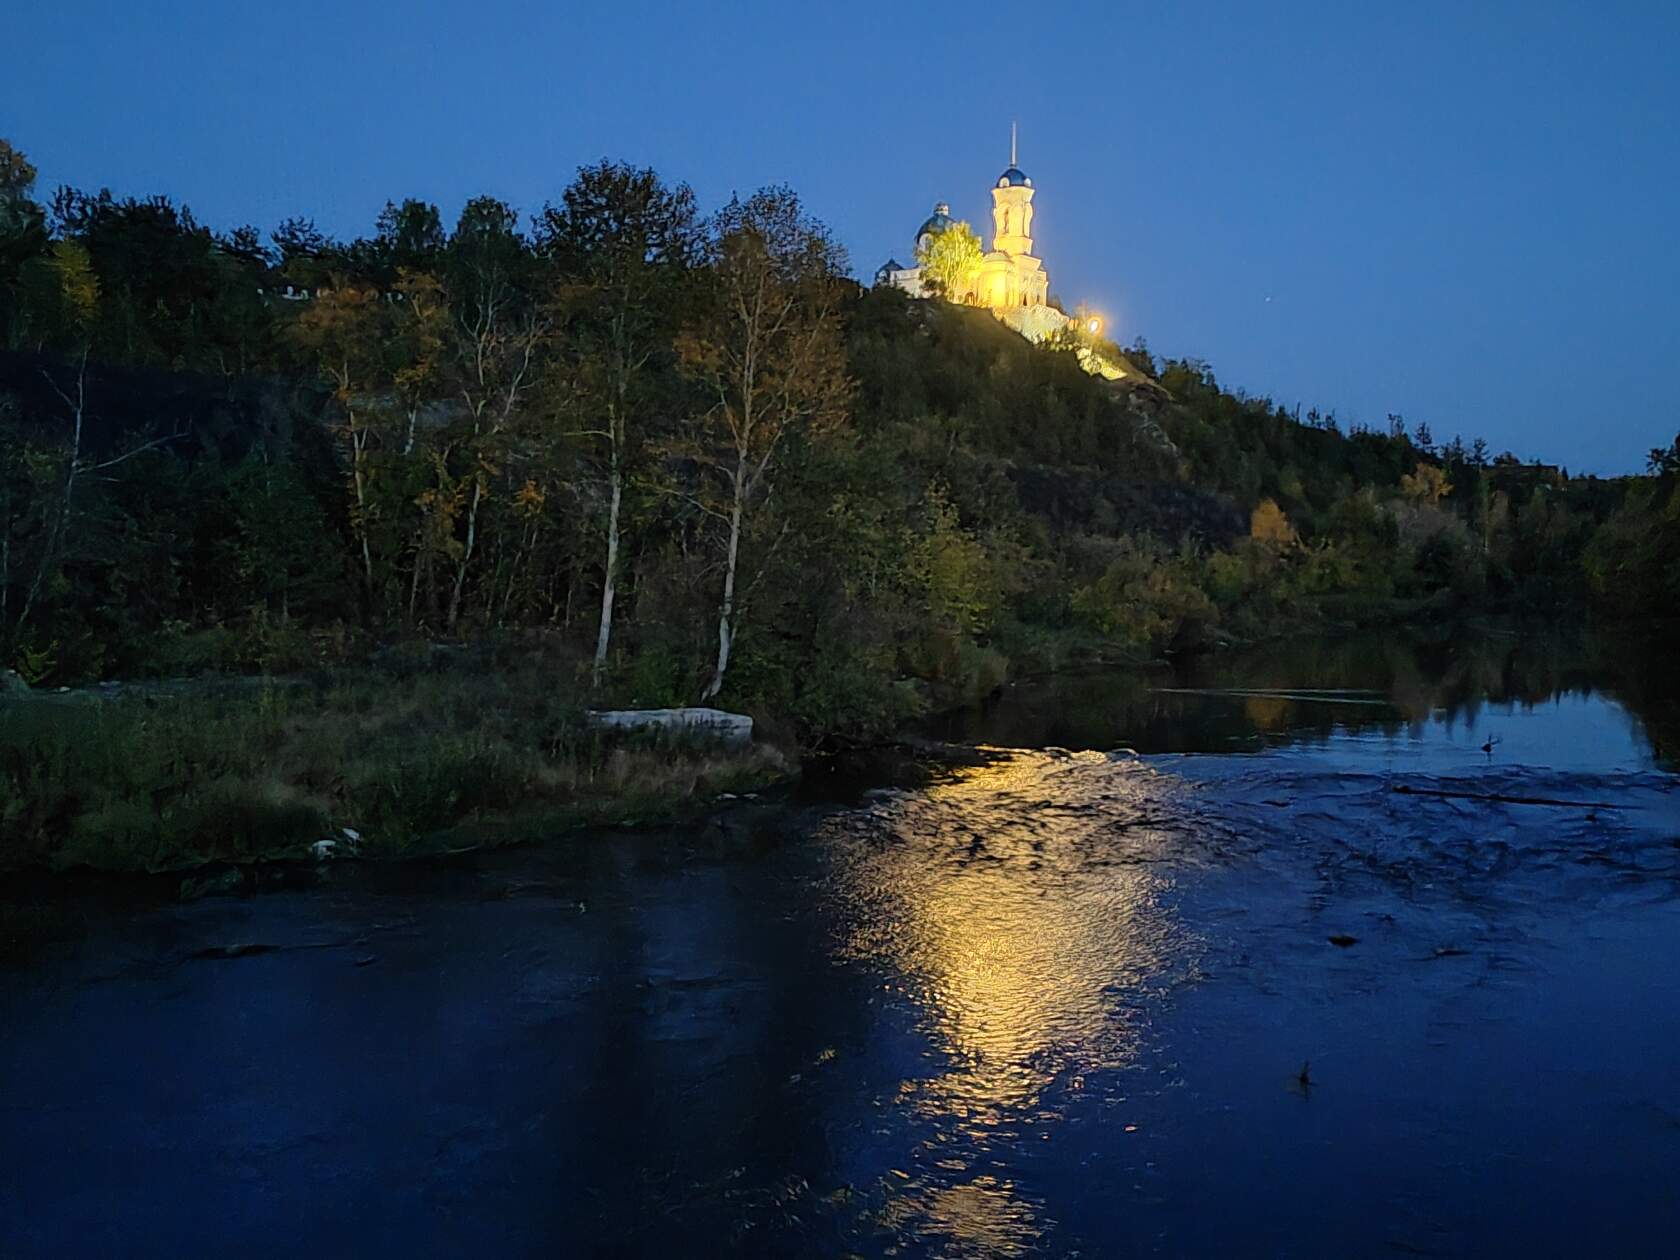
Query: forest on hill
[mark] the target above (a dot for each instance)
(685, 457)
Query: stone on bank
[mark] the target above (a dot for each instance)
(732, 730)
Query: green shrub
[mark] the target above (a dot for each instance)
(1147, 598)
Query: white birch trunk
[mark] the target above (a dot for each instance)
(609, 585)
(466, 553)
(726, 611)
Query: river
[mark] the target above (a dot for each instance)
(1267, 954)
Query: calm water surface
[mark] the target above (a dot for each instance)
(1079, 998)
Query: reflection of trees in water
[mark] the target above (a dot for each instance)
(1644, 675)
(1446, 675)
(1453, 675)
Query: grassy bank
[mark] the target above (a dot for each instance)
(263, 769)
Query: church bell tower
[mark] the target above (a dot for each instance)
(1010, 276)
(1012, 208)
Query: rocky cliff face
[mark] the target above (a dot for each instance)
(1077, 500)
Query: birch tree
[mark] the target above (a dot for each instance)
(421, 335)
(344, 330)
(39, 483)
(75, 290)
(768, 356)
(497, 331)
(622, 243)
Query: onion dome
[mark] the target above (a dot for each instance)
(936, 223)
(1014, 177)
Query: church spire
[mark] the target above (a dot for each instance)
(1012, 144)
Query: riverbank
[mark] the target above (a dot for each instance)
(371, 764)
(238, 783)
(424, 753)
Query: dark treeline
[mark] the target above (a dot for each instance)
(690, 457)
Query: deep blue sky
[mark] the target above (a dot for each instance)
(1464, 213)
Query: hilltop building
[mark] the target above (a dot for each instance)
(1010, 275)
(895, 275)
(1012, 281)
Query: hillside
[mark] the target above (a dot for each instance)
(584, 433)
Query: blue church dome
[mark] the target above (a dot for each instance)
(1014, 177)
(937, 222)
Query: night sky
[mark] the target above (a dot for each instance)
(1462, 213)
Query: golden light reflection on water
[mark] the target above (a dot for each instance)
(1022, 905)
(983, 1216)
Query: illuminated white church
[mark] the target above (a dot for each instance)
(1011, 282)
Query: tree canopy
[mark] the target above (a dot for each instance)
(950, 262)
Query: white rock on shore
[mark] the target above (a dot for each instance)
(731, 729)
